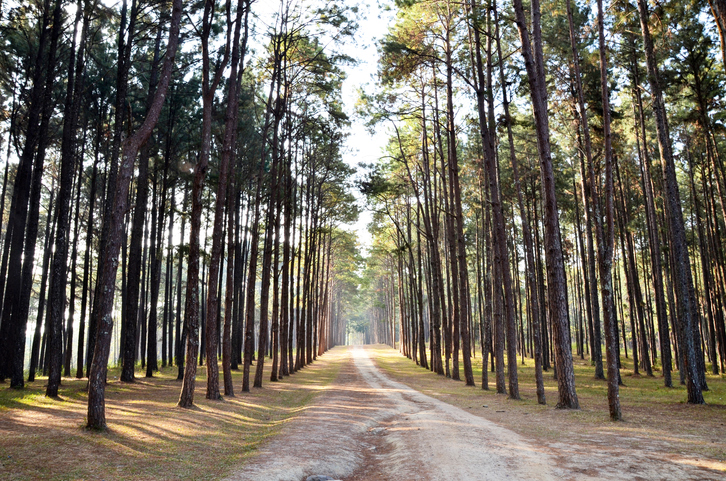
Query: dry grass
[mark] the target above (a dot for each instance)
(148, 437)
(655, 419)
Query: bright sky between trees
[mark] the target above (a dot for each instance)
(362, 147)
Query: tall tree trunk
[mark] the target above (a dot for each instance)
(718, 8)
(591, 202)
(181, 330)
(230, 128)
(462, 329)
(683, 281)
(20, 312)
(419, 292)
(271, 221)
(431, 226)
(606, 239)
(286, 318)
(75, 96)
(526, 231)
(237, 64)
(156, 252)
(501, 252)
(23, 217)
(49, 239)
(87, 267)
(556, 280)
(68, 354)
(210, 81)
(651, 222)
(131, 318)
(249, 342)
(705, 263)
(168, 320)
(229, 310)
(17, 215)
(122, 74)
(97, 374)
(275, 326)
(635, 280)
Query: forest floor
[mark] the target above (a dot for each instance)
(148, 436)
(353, 415)
(371, 425)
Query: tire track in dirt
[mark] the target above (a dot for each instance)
(367, 427)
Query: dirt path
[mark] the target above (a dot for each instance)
(368, 427)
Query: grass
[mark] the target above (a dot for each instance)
(149, 437)
(654, 417)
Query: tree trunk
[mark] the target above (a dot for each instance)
(651, 222)
(131, 317)
(272, 219)
(97, 375)
(87, 261)
(606, 240)
(556, 280)
(157, 237)
(122, 74)
(718, 8)
(210, 81)
(683, 281)
(49, 240)
(24, 208)
(181, 330)
(526, 232)
(590, 196)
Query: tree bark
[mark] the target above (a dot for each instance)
(683, 280)
(606, 240)
(122, 74)
(651, 222)
(97, 375)
(718, 8)
(591, 203)
(181, 330)
(210, 81)
(131, 317)
(526, 232)
(557, 287)
(49, 240)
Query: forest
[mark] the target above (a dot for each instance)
(148, 143)
(178, 194)
(553, 182)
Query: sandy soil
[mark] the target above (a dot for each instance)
(367, 426)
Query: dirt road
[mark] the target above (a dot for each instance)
(367, 426)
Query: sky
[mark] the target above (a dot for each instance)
(361, 146)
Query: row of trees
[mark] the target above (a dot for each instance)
(618, 236)
(156, 139)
